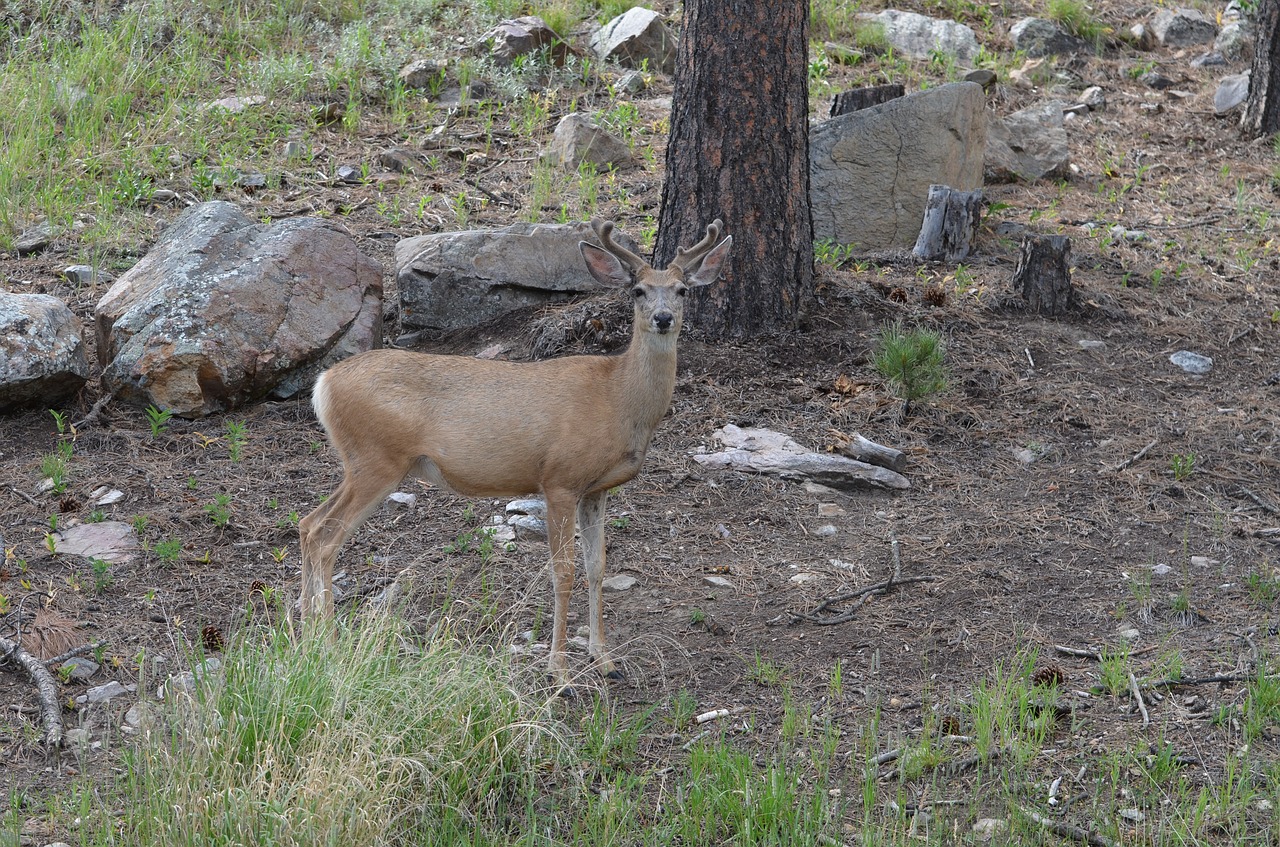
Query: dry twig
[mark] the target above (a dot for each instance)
(1067, 830)
(1136, 457)
(50, 709)
(1137, 696)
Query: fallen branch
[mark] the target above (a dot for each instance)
(865, 450)
(1137, 696)
(94, 412)
(862, 595)
(1136, 457)
(50, 708)
(1067, 830)
(73, 652)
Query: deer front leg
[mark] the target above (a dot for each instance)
(591, 512)
(561, 510)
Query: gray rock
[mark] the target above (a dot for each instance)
(1094, 98)
(451, 280)
(102, 693)
(1183, 28)
(111, 541)
(34, 239)
(870, 170)
(1232, 93)
(619, 582)
(1192, 363)
(1028, 145)
(1235, 41)
(920, 36)
(577, 140)
(1039, 37)
(224, 311)
(81, 275)
(82, 669)
(636, 37)
(424, 73)
(522, 36)
(42, 354)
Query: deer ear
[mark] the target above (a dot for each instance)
(709, 271)
(604, 266)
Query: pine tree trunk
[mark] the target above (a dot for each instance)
(739, 150)
(1262, 109)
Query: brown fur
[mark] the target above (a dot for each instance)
(570, 428)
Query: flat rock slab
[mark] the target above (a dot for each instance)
(111, 541)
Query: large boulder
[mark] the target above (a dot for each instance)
(579, 140)
(870, 170)
(451, 280)
(637, 37)
(1028, 145)
(1183, 28)
(42, 358)
(917, 36)
(1039, 37)
(224, 311)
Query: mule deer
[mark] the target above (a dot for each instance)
(571, 428)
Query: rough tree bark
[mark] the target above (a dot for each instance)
(1262, 109)
(739, 150)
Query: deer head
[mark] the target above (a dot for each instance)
(659, 295)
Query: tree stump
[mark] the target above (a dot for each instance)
(863, 98)
(950, 224)
(1043, 274)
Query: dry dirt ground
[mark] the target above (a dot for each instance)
(1073, 548)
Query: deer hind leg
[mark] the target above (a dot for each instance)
(591, 512)
(323, 532)
(561, 512)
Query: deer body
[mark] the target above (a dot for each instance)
(570, 428)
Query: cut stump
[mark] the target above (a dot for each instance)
(1043, 274)
(950, 224)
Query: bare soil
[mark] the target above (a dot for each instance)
(1073, 548)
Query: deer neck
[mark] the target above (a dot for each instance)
(648, 378)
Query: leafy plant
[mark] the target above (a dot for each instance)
(829, 252)
(169, 550)
(101, 575)
(158, 420)
(219, 511)
(1182, 465)
(54, 466)
(913, 361)
(237, 437)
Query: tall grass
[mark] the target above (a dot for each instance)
(378, 737)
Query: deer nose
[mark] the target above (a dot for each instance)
(663, 321)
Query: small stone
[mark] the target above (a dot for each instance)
(830, 510)
(1160, 569)
(1130, 634)
(527, 526)
(984, 77)
(1132, 815)
(1202, 561)
(1094, 98)
(164, 195)
(101, 693)
(294, 149)
(1091, 344)
(825, 531)
(34, 239)
(803, 577)
(1192, 363)
(81, 669)
(236, 104)
(619, 582)
(106, 496)
(717, 582)
(987, 829)
(84, 275)
(403, 498)
(528, 506)
(502, 533)
(349, 174)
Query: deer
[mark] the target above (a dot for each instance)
(570, 428)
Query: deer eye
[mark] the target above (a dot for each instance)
(637, 292)
(682, 290)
